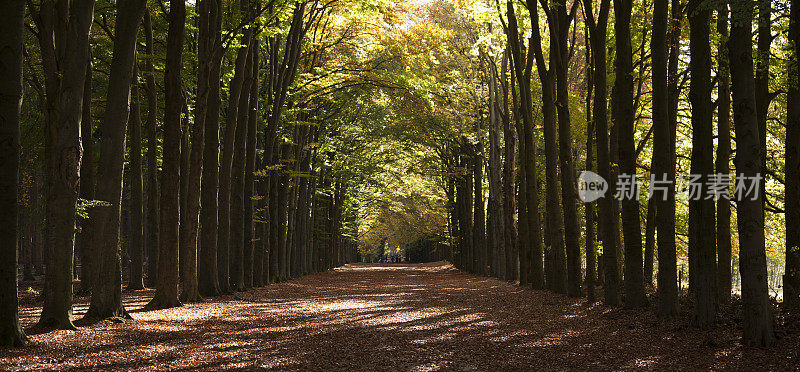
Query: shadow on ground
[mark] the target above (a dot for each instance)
(420, 317)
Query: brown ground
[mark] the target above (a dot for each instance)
(393, 317)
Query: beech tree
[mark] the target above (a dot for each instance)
(11, 16)
(166, 295)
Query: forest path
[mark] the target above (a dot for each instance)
(409, 317)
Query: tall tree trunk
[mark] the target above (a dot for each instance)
(624, 116)
(496, 220)
(756, 309)
(135, 280)
(522, 70)
(509, 179)
(591, 250)
(479, 223)
(607, 217)
(569, 198)
(663, 167)
(226, 162)
(70, 33)
(723, 159)
(166, 295)
(252, 261)
(791, 280)
(208, 278)
(649, 242)
(762, 60)
(702, 227)
(189, 231)
(152, 156)
(12, 14)
(87, 183)
(237, 180)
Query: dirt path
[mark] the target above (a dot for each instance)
(392, 317)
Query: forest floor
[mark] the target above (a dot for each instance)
(419, 317)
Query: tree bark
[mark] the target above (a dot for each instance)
(560, 28)
(702, 227)
(723, 158)
(252, 261)
(87, 183)
(607, 217)
(237, 180)
(152, 156)
(634, 284)
(166, 295)
(135, 281)
(208, 278)
(791, 280)
(226, 162)
(12, 14)
(69, 30)
(190, 229)
(756, 310)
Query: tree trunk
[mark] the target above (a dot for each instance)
(479, 223)
(496, 220)
(237, 180)
(71, 30)
(208, 278)
(509, 180)
(12, 14)
(624, 116)
(723, 159)
(226, 162)
(87, 183)
(608, 221)
(252, 262)
(166, 295)
(152, 156)
(702, 227)
(649, 242)
(190, 227)
(756, 310)
(522, 70)
(569, 197)
(791, 280)
(135, 280)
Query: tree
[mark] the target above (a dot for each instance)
(624, 116)
(226, 162)
(702, 229)
(663, 167)
(523, 66)
(208, 282)
(756, 312)
(11, 16)
(87, 183)
(560, 21)
(65, 32)
(791, 280)
(607, 218)
(723, 159)
(152, 155)
(135, 206)
(107, 290)
(189, 231)
(166, 295)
